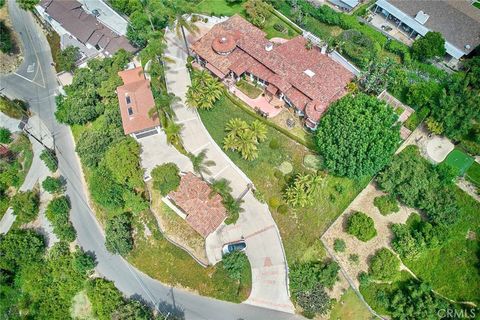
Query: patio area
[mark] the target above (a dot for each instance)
(388, 27)
(269, 108)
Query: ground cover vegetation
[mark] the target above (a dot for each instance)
(13, 108)
(439, 246)
(14, 168)
(386, 204)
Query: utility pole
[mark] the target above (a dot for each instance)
(52, 151)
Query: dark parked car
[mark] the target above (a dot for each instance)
(234, 246)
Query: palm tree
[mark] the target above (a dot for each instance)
(204, 91)
(200, 162)
(181, 24)
(260, 130)
(172, 131)
(221, 187)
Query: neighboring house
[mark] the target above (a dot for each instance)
(346, 5)
(457, 20)
(204, 211)
(68, 18)
(303, 76)
(136, 100)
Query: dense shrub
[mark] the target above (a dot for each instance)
(123, 161)
(58, 213)
(280, 27)
(50, 159)
(6, 42)
(314, 301)
(339, 245)
(5, 135)
(416, 118)
(235, 263)
(305, 276)
(411, 239)
(166, 178)
(386, 204)
(52, 185)
(417, 183)
(66, 58)
(25, 206)
(361, 226)
(118, 234)
(359, 48)
(13, 108)
(384, 265)
(91, 140)
(105, 190)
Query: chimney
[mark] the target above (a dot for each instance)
(269, 46)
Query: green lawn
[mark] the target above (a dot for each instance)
(473, 174)
(249, 89)
(459, 160)
(273, 33)
(350, 307)
(452, 268)
(219, 8)
(300, 228)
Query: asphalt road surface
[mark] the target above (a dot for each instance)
(35, 82)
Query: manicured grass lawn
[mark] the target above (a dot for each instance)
(473, 174)
(219, 8)
(350, 307)
(272, 33)
(300, 228)
(452, 268)
(459, 160)
(249, 89)
(162, 260)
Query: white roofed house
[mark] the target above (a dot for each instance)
(345, 5)
(457, 20)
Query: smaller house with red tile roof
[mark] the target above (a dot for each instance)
(303, 76)
(136, 99)
(205, 212)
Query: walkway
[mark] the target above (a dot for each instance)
(256, 225)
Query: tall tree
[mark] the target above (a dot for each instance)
(204, 91)
(357, 136)
(429, 46)
(200, 162)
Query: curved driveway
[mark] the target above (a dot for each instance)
(255, 225)
(38, 88)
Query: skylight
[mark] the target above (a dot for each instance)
(309, 73)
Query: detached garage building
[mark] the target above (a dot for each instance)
(136, 100)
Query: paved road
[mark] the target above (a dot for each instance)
(255, 225)
(38, 88)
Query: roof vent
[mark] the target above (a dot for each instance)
(323, 49)
(223, 39)
(309, 73)
(421, 17)
(467, 46)
(269, 46)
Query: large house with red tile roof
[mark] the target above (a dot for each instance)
(204, 212)
(301, 75)
(136, 99)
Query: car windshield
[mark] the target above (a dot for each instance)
(236, 246)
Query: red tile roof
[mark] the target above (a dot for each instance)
(138, 91)
(204, 212)
(302, 74)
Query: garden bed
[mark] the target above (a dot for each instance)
(249, 89)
